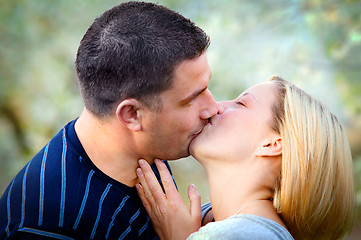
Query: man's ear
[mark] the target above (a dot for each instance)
(128, 112)
(270, 149)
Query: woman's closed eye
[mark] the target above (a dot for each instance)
(240, 102)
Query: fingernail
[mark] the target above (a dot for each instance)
(141, 163)
(139, 172)
(192, 187)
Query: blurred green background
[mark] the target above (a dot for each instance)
(315, 44)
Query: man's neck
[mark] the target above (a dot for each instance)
(109, 147)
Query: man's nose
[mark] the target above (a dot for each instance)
(211, 108)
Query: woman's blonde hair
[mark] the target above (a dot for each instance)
(315, 196)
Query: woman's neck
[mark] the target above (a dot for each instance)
(235, 188)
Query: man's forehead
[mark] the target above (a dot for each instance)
(190, 78)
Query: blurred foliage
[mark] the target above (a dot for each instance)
(337, 24)
(314, 43)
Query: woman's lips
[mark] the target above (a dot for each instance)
(209, 122)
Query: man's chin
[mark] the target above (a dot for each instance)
(182, 154)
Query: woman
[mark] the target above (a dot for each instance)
(278, 164)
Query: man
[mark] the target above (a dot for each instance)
(143, 75)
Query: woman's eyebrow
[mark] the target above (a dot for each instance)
(247, 94)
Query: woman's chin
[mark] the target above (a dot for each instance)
(195, 149)
(194, 146)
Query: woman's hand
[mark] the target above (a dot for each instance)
(169, 215)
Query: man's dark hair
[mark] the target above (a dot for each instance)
(131, 51)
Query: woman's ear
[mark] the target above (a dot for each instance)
(128, 112)
(271, 149)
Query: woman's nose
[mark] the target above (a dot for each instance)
(222, 106)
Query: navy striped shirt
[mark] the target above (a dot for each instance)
(61, 194)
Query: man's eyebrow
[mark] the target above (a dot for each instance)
(193, 95)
